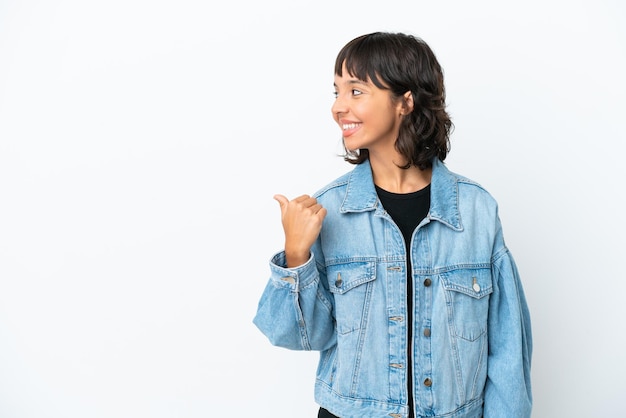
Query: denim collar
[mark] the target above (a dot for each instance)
(444, 191)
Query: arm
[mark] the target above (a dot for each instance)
(295, 310)
(508, 388)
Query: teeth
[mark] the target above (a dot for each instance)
(347, 126)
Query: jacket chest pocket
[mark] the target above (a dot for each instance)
(351, 285)
(467, 302)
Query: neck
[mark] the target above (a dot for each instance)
(388, 176)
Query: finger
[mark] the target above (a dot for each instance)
(301, 199)
(282, 200)
(306, 201)
(316, 208)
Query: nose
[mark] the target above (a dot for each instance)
(339, 106)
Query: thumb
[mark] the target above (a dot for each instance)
(282, 200)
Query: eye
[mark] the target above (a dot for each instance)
(356, 92)
(335, 94)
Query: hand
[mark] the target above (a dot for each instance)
(302, 220)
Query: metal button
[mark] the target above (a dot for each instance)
(427, 282)
(476, 286)
(428, 382)
(426, 332)
(339, 281)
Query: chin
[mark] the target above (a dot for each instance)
(351, 146)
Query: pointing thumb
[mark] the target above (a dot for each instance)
(282, 200)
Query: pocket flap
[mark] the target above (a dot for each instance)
(346, 276)
(471, 282)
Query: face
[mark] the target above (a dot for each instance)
(366, 114)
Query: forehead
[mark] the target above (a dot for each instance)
(366, 77)
(350, 79)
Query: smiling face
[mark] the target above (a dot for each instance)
(368, 116)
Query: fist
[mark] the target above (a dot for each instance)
(302, 220)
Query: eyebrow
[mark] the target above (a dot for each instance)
(353, 81)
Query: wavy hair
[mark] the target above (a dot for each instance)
(400, 63)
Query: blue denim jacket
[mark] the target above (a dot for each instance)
(472, 344)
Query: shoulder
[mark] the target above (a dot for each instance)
(334, 191)
(470, 188)
(338, 183)
(467, 194)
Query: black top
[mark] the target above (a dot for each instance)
(407, 210)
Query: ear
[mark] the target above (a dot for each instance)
(407, 103)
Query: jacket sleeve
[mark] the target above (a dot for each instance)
(295, 310)
(508, 388)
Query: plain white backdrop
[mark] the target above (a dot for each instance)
(141, 143)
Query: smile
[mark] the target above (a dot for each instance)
(347, 126)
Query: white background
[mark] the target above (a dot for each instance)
(141, 143)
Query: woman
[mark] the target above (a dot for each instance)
(397, 272)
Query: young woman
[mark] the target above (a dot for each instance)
(397, 272)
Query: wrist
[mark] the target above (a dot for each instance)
(295, 259)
